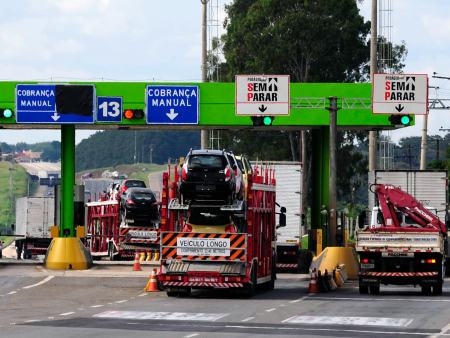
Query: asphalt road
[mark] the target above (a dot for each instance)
(110, 301)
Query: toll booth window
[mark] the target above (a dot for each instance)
(74, 99)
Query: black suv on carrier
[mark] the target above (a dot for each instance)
(207, 175)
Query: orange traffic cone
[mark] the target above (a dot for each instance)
(152, 284)
(313, 288)
(137, 264)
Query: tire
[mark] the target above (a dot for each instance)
(171, 293)
(426, 289)
(375, 289)
(251, 287)
(363, 289)
(186, 292)
(437, 289)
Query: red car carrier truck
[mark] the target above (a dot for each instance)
(209, 243)
(403, 244)
(109, 234)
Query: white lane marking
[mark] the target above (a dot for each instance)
(297, 300)
(247, 319)
(362, 321)
(191, 335)
(67, 313)
(32, 321)
(12, 292)
(45, 280)
(316, 329)
(143, 315)
(442, 333)
(271, 310)
(419, 300)
(98, 305)
(121, 301)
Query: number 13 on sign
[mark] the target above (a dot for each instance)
(109, 109)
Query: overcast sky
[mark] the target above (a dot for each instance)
(143, 40)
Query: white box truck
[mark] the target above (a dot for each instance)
(288, 177)
(34, 217)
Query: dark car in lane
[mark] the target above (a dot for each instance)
(139, 203)
(207, 175)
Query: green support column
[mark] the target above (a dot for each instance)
(320, 176)
(67, 252)
(67, 180)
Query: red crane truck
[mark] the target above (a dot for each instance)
(404, 244)
(202, 258)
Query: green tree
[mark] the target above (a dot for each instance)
(312, 41)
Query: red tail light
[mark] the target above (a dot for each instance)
(227, 174)
(365, 260)
(130, 201)
(429, 261)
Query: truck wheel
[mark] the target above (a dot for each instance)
(250, 289)
(375, 289)
(363, 289)
(186, 292)
(426, 289)
(437, 289)
(172, 293)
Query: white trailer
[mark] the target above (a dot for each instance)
(288, 177)
(34, 217)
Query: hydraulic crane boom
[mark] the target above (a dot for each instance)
(392, 198)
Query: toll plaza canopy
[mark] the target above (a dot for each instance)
(136, 105)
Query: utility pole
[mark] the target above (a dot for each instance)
(204, 132)
(332, 184)
(423, 144)
(373, 70)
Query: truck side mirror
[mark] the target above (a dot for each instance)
(282, 218)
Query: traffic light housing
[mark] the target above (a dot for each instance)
(6, 115)
(400, 119)
(133, 114)
(262, 120)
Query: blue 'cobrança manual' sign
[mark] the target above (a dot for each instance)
(172, 104)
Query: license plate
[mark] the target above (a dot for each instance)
(367, 266)
(203, 279)
(205, 188)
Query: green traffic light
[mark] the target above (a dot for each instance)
(405, 120)
(7, 113)
(267, 120)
